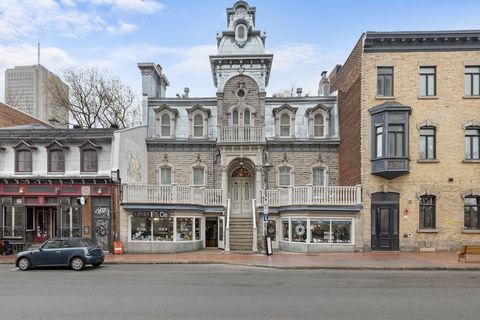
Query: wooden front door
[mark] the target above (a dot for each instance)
(385, 227)
(241, 194)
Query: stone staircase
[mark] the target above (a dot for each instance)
(241, 234)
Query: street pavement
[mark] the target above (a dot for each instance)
(287, 260)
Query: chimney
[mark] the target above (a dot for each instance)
(324, 88)
(114, 126)
(299, 92)
(186, 90)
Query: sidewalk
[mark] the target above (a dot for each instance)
(287, 260)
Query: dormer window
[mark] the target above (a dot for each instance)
(318, 126)
(23, 157)
(285, 125)
(285, 121)
(165, 122)
(89, 156)
(318, 121)
(198, 122)
(56, 156)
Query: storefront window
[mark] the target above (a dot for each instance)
(197, 229)
(184, 229)
(341, 231)
(320, 230)
(141, 228)
(163, 229)
(285, 230)
(70, 222)
(299, 230)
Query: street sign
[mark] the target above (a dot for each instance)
(265, 213)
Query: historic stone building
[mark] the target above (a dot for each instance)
(409, 114)
(217, 166)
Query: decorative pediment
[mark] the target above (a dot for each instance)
(283, 107)
(198, 107)
(427, 123)
(165, 107)
(56, 145)
(24, 145)
(319, 106)
(89, 144)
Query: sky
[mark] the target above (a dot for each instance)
(305, 36)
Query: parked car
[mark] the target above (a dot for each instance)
(73, 252)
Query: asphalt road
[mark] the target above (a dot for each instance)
(232, 292)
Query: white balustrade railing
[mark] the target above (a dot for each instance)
(241, 134)
(171, 194)
(312, 195)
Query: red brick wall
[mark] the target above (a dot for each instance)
(348, 83)
(10, 117)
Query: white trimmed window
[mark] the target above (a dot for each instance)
(165, 176)
(246, 117)
(284, 125)
(284, 176)
(319, 177)
(198, 126)
(199, 176)
(318, 126)
(165, 126)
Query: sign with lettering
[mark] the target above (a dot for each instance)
(151, 214)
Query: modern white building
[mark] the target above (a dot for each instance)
(29, 89)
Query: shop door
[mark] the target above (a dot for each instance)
(221, 232)
(101, 222)
(241, 195)
(385, 227)
(44, 218)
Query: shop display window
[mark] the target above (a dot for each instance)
(285, 230)
(197, 229)
(163, 229)
(341, 231)
(141, 228)
(184, 229)
(320, 231)
(299, 230)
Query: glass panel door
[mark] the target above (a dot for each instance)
(221, 232)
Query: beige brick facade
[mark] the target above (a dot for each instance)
(449, 177)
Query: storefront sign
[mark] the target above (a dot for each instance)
(265, 213)
(151, 214)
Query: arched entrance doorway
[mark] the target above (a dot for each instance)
(241, 189)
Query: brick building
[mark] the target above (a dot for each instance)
(409, 114)
(217, 166)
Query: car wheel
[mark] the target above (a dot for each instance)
(77, 264)
(24, 264)
(96, 264)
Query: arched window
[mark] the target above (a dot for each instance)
(235, 117)
(284, 125)
(246, 118)
(198, 126)
(165, 126)
(318, 126)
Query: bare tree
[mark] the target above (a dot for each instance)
(291, 91)
(13, 97)
(97, 100)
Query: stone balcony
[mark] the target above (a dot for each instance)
(173, 194)
(241, 134)
(313, 196)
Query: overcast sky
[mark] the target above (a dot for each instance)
(305, 36)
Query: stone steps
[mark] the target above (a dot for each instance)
(241, 233)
